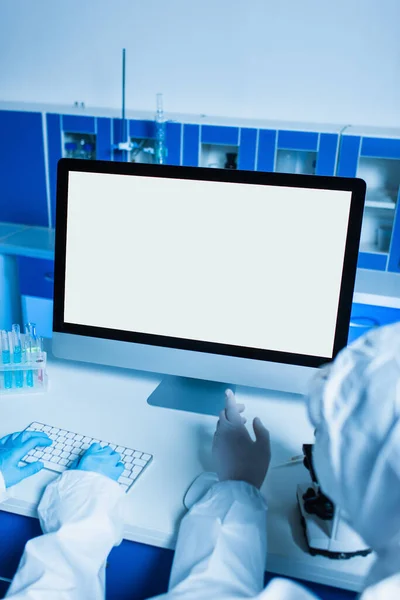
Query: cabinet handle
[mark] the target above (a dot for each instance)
(364, 322)
(49, 277)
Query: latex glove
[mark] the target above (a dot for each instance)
(13, 448)
(236, 455)
(101, 460)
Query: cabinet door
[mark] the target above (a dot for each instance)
(54, 154)
(15, 532)
(247, 149)
(23, 192)
(306, 152)
(104, 150)
(174, 135)
(267, 139)
(136, 571)
(36, 277)
(296, 152)
(394, 252)
(377, 161)
(348, 156)
(191, 145)
(327, 154)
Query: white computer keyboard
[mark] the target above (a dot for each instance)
(68, 445)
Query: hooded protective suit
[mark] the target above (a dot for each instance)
(355, 406)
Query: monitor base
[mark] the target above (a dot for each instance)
(191, 395)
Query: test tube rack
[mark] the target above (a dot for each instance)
(24, 377)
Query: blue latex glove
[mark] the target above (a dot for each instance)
(100, 460)
(13, 448)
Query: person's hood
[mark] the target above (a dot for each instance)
(354, 404)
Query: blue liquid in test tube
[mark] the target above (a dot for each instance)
(28, 354)
(17, 354)
(5, 357)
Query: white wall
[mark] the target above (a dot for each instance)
(314, 60)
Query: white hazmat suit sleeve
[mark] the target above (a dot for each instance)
(221, 549)
(222, 545)
(81, 514)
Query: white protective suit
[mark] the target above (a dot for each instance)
(354, 404)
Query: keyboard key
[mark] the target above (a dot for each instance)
(67, 448)
(46, 428)
(77, 444)
(136, 472)
(146, 457)
(137, 454)
(70, 435)
(54, 430)
(87, 440)
(78, 438)
(46, 456)
(128, 452)
(128, 459)
(124, 480)
(64, 454)
(120, 449)
(75, 452)
(113, 446)
(63, 462)
(126, 473)
(124, 487)
(54, 459)
(56, 452)
(30, 459)
(139, 462)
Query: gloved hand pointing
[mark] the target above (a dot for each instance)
(236, 455)
(13, 448)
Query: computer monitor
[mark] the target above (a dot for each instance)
(240, 277)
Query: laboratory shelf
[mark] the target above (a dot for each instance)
(378, 204)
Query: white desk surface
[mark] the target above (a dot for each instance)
(111, 404)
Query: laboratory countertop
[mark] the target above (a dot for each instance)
(23, 240)
(111, 404)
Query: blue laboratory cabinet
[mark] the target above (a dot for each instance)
(279, 147)
(32, 141)
(374, 155)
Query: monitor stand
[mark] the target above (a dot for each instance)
(191, 395)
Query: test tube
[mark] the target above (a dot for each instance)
(31, 329)
(5, 357)
(39, 355)
(28, 342)
(17, 354)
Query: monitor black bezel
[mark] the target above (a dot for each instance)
(357, 187)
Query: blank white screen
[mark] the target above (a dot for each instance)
(249, 265)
